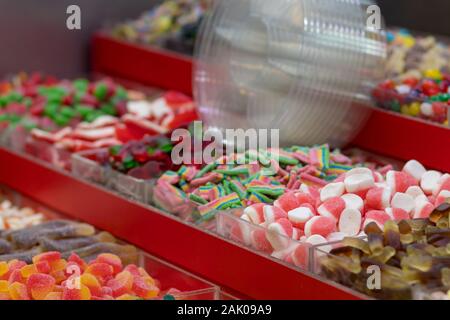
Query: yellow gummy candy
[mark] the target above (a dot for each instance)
(433, 74)
(414, 109)
(3, 268)
(28, 270)
(404, 109)
(4, 285)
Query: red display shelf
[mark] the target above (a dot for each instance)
(404, 138)
(386, 133)
(148, 65)
(195, 250)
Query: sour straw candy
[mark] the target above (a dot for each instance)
(412, 255)
(251, 177)
(343, 208)
(64, 236)
(51, 277)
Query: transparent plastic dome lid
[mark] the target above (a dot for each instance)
(302, 66)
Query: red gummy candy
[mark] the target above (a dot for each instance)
(40, 285)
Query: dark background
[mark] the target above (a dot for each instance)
(423, 15)
(33, 34)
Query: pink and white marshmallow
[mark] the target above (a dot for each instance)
(300, 216)
(359, 182)
(353, 201)
(430, 181)
(332, 190)
(332, 208)
(379, 198)
(320, 225)
(350, 222)
(415, 169)
(279, 234)
(403, 201)
(273, 214)
(377, 216)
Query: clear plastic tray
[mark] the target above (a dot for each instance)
(190, 286)
(13, 137)
(130, 187)
(48, 152)
(421, 293)
(243, 233)
(136, 189)
(87, 169)
(321, 253)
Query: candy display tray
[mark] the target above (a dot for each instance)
(392, 100)
(130, 187)
(190, 247)
(190, 286)
(322, 251)
(151, 66)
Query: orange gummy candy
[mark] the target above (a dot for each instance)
(5, 296)
(28, 270)
(144, 288)
(76, 259)
(43, 266)
(18, 291)
(40, 285)
(102, 271)
(58, 265)
(54, 296)
(121, 284)
(15, 276)
(127, 296)
(47, 256)
(82, 293)
(92, 283)
(111, 259)
(4, 285)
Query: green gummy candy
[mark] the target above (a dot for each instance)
(101, 91)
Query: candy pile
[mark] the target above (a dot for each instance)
(418, 70)
(343, 208)
(410, 55)
(13, 218)
(173, 25)
(63, 236)
(144, 159)
(409, 253)
(74, 116)
(65, 103)
(263, 177)
(51, 277)
(139, 118)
